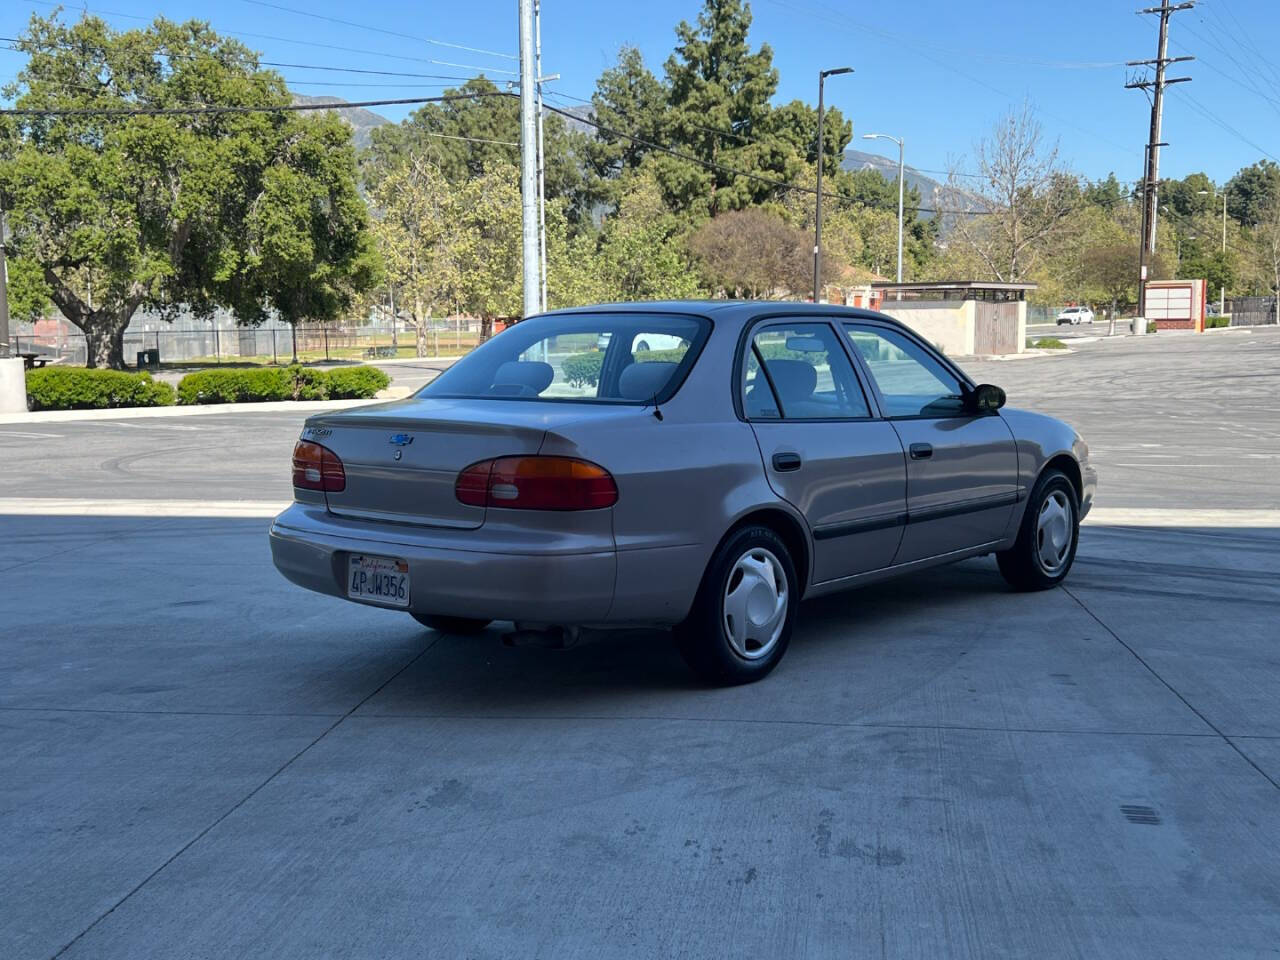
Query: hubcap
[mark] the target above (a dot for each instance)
(1053, 532)
(755, 604)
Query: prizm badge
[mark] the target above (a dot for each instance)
(318, 431)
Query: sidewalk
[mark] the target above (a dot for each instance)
(303, 407)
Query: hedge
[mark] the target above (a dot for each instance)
(280, 383)
(350, 383)
(75, 388)
(582, 369)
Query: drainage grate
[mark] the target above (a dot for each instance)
(1135, 814)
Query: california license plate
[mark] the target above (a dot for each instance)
(380, 579)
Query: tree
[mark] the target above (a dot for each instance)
(754, 254)
(1189, 197)
(1251, 190)
(478, 131)
(718, 104)
(1020, 199)
(643, 250)
(1267, 234)
(256, 212)
(628, 102)
(1113, 268)
(416, 234)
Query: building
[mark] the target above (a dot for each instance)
(962, 318)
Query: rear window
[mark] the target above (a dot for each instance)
(594, 358)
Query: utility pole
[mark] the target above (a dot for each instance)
(1151, 173)
(528, 161)
(4, 288)
(817, 217)
(901, 152)
(542, 158)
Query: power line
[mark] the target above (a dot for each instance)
(305, 43)
(214, 109)
(382, 30)
(12, 41)
(760, 178)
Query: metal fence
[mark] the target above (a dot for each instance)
(274, 344)
(1252, 311)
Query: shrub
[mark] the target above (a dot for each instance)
(352, 383)
(74, 388)
(1151, 326)
(1211, 322)
(582, 369)
(236, 386)
(306, 383)
(280, 383)
(660, 356)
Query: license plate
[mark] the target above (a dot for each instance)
(380, 579)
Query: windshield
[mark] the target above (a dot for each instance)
(594, 358)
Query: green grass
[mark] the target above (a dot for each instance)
(1047, 343)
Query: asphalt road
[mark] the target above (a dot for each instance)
(199, 760)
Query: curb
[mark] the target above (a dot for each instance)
(303, 407)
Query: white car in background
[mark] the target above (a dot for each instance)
(1075, 315)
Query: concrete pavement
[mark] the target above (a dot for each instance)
(199, 760)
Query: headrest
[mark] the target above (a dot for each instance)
(794, 379)
(528, 377)
(641, 381)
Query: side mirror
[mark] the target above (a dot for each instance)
(986, 398)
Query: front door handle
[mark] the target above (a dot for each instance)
(785, 462)
(921, 451)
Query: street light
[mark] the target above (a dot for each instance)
(1222, 295)
(898, 141)
(817, 220)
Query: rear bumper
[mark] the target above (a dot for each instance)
(549, 585)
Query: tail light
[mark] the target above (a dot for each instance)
(536, 483)
(317, 468)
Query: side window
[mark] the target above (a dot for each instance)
(912, 383)
(806, 375)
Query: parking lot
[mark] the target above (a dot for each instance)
(198, 759)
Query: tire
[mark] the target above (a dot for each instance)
(462, 626)
(1029, 564)
(754, 567)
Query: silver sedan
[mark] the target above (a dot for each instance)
(702, 466)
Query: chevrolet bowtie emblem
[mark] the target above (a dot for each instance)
(402, 439)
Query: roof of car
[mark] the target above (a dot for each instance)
(735, 309)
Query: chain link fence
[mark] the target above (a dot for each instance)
(267, 344)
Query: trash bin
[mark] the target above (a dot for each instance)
(149, 358)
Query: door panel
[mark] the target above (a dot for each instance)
(961, 467)
(850, 485)
(962, 494)
(822, 450)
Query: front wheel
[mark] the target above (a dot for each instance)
(1045, 549)
(743, 616)
(460, 625)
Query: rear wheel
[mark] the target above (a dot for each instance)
(459, 625)
(743, 616)
(1042, 555)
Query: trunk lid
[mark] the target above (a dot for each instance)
(434, 440)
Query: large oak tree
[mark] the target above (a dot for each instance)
(255, 211)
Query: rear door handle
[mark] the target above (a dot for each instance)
(921, 451)
(784, 462)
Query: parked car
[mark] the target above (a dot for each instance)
(1075, 315)
(791, 450)
(646, 341)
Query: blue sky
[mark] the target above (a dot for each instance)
(937, 74)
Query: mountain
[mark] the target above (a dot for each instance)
(933, 193)
(360, 120)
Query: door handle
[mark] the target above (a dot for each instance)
(921, 451)
(784, 462)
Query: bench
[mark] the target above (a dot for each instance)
(32, 361)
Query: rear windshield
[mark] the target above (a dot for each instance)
(594, 358)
